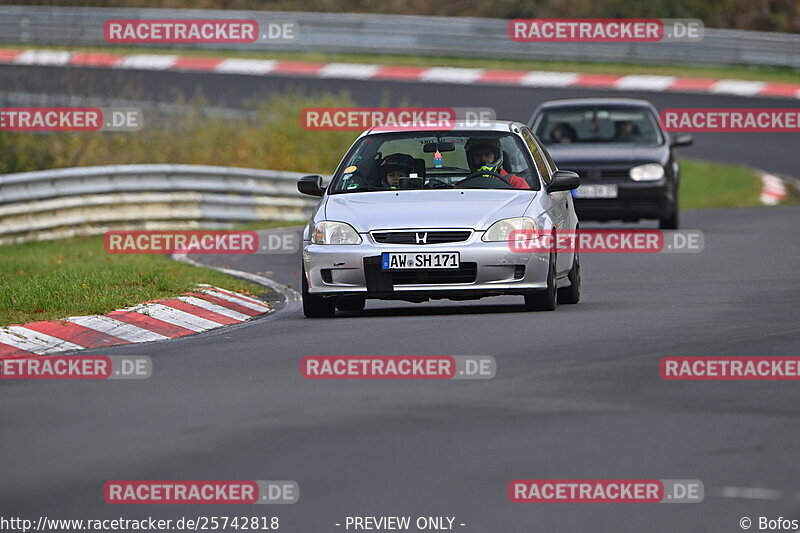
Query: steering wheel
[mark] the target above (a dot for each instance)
(483, 173)
(435, 183)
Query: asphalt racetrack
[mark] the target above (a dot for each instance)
(577, 392)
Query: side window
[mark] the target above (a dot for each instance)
(538, 156)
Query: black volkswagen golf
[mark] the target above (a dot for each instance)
(620, 150)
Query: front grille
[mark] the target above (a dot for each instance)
(604, 173)
(467, 273)
(421, 237)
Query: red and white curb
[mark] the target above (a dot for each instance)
(773, 189)
(458, 76)
(207, 308)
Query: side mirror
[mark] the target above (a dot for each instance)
(564, 180)
(311, 185)
(682, 140)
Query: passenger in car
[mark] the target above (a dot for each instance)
(626, 130)
(396, 166)
(563, 133)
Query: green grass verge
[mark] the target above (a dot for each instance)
(56, 279)
(770, 74)
(705, 185)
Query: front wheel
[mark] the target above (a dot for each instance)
(671, 221)
(316, 306)
(572, 294)
(544, 300)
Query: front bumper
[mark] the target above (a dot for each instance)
(634, 201)
(488, 268)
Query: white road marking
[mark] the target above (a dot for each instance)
(548, 79)
(451, 75)
(176, 316)
(111, 326)
(348, 70)
(233, 299)
(147, 62)
(738, 87)
(210, 306)
(33, 341)
(43, 57)
(246, 66)
(645, 83)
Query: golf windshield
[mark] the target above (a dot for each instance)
(621, 124)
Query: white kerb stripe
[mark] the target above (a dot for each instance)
(645, 83)
(246, 66)
(33, 341)
(205, 304)
(236, 294)
(43, 57)
(739, 87)
(123, 330)
(348, 70)
(751, 493)
(147, 61)
(451, 75)
(177, 317)
(548, 79)
(233, 299)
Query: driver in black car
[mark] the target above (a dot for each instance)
(486, 154)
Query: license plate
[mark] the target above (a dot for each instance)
(596, 191)
(419, 260)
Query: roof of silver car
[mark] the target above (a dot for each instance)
(495, 125)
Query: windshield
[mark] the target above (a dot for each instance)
(623, 124)
(436, 160)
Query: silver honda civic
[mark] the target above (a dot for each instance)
(416, 214)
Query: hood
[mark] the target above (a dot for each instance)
(452, 208)
(624, 154)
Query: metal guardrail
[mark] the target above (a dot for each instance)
(404, 35)
(67, 202)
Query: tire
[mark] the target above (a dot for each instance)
(671, 221)
(351, 303)
(544, 300)
(316, 306)
(572, 294)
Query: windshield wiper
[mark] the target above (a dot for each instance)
(363, 189)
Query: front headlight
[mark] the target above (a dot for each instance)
(648, 172)
(501, 230)
(335, 233)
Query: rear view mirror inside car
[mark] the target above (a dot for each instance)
(441, 146)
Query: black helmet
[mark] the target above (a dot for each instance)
(490, 143)
(396, 162)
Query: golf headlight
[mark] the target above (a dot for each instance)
(501, 230)
(648, 172)
(335, 233)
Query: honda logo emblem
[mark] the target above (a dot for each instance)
(422, 238)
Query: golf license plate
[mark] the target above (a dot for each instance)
(596, 191)
(414, 260)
